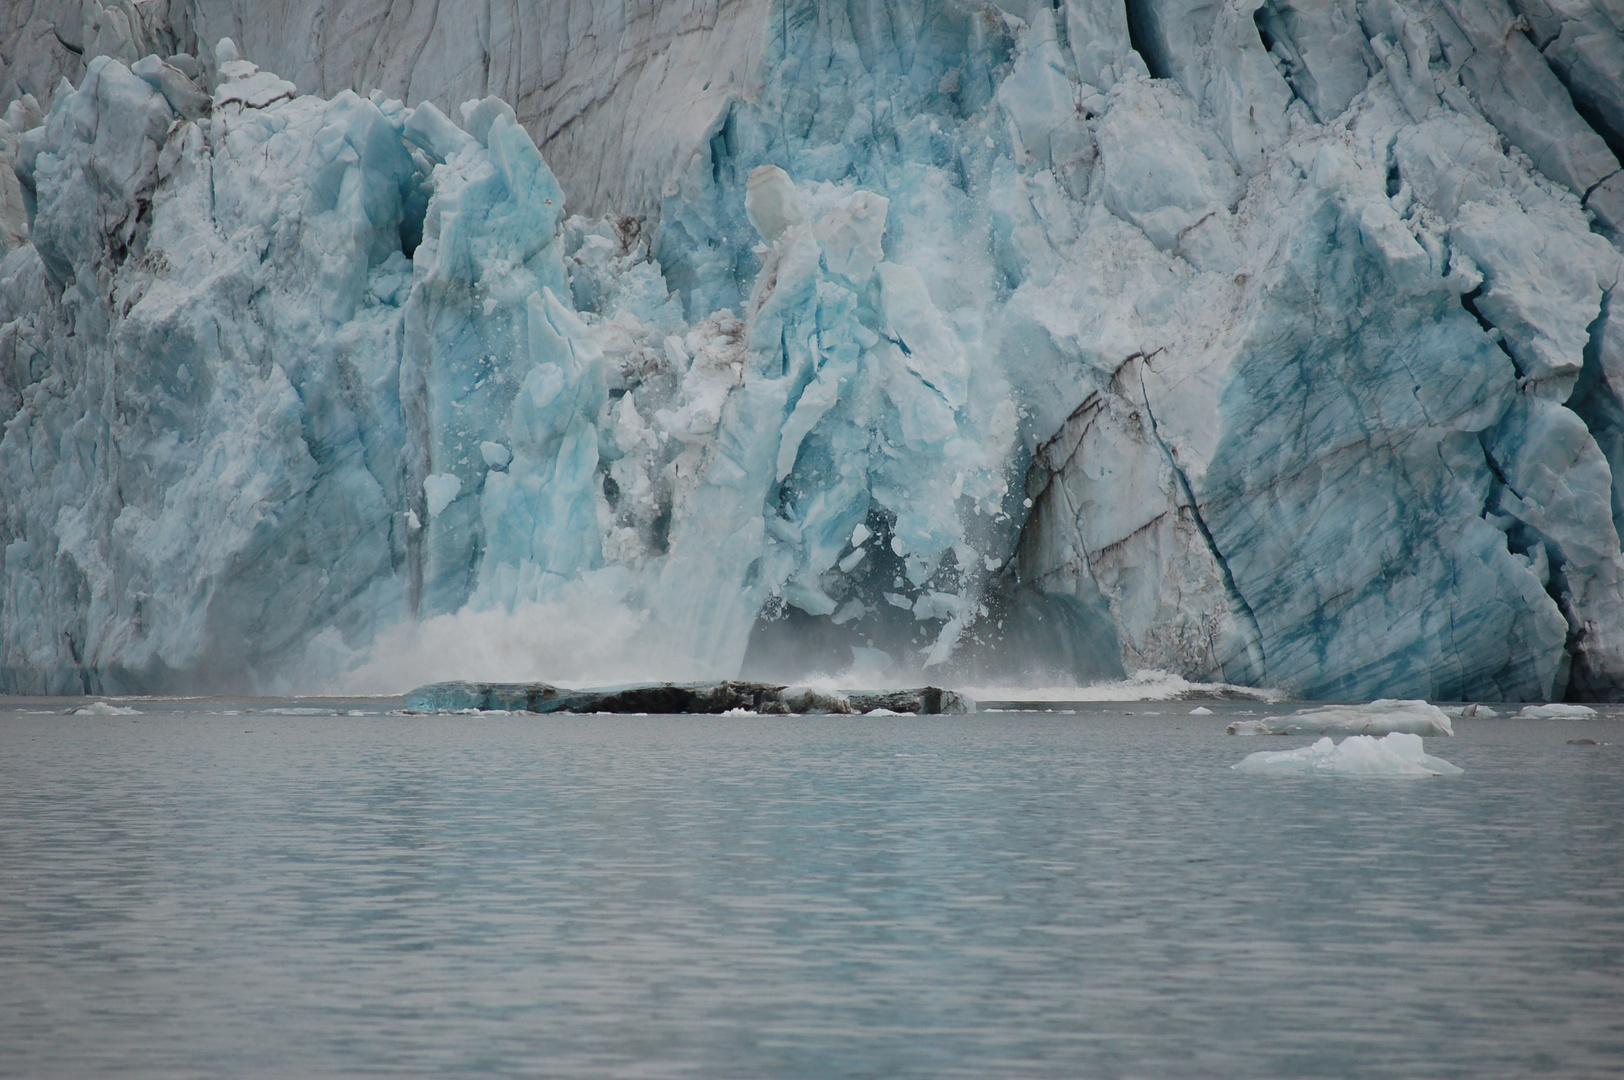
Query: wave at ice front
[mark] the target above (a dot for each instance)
(1261, 346)
(1398, 754)
(585, 635)
(1141, 686)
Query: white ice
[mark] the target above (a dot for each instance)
(1557, 711)
(1396, 754)
(104, 708)
(1380, 717)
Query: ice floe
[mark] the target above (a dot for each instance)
(1395, 754)
(1557, 711)
(1380, 717)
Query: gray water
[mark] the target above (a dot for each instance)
(190, 893)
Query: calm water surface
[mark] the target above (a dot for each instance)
(189, 892)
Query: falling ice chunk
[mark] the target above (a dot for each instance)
(440, 489)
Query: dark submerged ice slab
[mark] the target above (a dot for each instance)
(711, 698)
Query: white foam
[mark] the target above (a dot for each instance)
(585, 635)
(1144, 685)
(1398, 754)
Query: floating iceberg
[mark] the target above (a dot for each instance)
(1397, 754)
(1557, 711)
(1381, 717)
(1260, 346)
(105, 708)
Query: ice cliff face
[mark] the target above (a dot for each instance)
(1272, 343)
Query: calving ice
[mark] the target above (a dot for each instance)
(1265, 344)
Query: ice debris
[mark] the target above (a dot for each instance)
(731, 697)
(1380, 717)
(1395, 754)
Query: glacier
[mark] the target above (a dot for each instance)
(1263, 343)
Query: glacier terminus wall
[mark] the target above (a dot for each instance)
(1273, 343)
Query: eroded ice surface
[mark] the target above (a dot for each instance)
(1397, 754)
(1264, 346)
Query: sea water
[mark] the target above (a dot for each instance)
(210, 888)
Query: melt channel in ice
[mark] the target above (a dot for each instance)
(1396, 754)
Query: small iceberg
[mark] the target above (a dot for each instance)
(1383, 716)
(103, 708)
(1395, 754)
(1250, 727)
(1557, 711)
